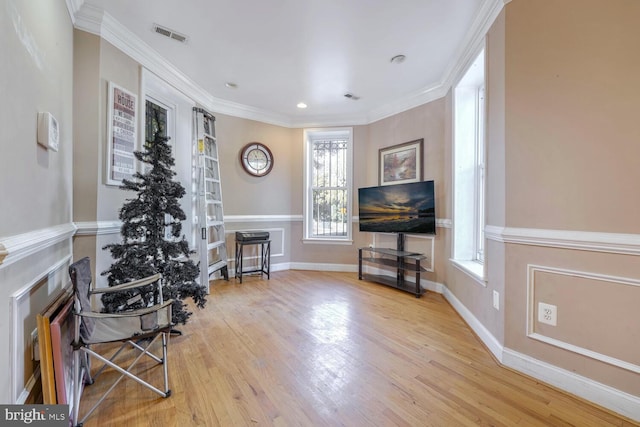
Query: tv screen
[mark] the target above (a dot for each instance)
(400, 208)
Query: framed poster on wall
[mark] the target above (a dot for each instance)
(401, 164)
(121, 134)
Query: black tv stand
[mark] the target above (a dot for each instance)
(404, 262)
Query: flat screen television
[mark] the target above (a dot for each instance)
(400, 208)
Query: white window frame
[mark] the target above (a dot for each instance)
(480, 176)
(180, 129)
(311, 135)
(469, 155)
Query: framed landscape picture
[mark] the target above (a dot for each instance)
(401, 164)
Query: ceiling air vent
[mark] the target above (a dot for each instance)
(169, 33)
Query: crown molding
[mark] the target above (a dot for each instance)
(473, 43)
(331, 120)
(95, 20)
(73, 6)
(471, 46)
(425, 96)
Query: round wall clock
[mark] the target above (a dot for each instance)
(256, 159)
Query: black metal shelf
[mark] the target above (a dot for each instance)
(404, 262)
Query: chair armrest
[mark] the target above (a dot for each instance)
(132, 313)
(129, 285)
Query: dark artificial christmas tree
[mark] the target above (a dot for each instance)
(145, 250)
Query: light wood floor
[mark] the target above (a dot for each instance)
(324, 349)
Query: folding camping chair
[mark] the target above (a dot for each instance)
(136, 328)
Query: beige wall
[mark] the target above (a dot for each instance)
(120, 69)
(35, 184)
(279, 192)
(572, 91)
(561, 154)
(86, 175)
(427, 121)
(36, 76)
(96, 63)
(495, 179)
(571, 163)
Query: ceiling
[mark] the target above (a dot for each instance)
(282, 52)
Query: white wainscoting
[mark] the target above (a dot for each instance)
(19, 391)
(531, 332)
(593, 391)
(97, 228)
(15, 248)
(231, 219)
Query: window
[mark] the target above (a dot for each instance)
(155, 119)
(328, 170)
(469, 171)
(175, 113)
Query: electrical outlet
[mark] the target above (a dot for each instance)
(548, 314)
(496, 300)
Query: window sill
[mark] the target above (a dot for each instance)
(327, 241)
(473, 269)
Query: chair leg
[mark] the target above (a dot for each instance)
(103, 367)
(144, 350)
(126, 373)
(77, 388)
(165, 343)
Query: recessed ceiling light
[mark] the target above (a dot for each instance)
(231, 85)
(398, 59)
(301, 105)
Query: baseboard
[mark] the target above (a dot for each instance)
(491, 342)
(428, 285)
(608, 397)
(600, 394)
(29, 388)
(347, 268)
(284, 266)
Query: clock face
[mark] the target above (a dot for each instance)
(256, 159)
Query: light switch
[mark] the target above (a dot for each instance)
(48, 132)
